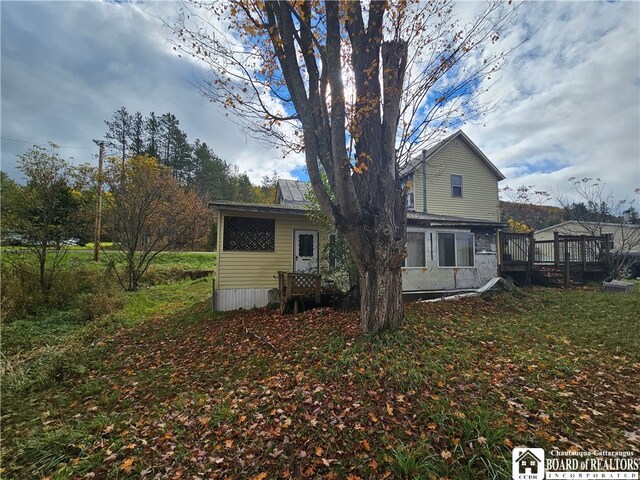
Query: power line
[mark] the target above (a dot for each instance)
(44, 145)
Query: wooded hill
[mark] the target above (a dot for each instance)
(534, 216)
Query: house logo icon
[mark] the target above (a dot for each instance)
(528, 463)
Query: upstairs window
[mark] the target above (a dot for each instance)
(410, 201)
(456, 186)
(410, 195)
(245, 234)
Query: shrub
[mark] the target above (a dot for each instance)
(21, 294)
(73, 287)
(96, 305)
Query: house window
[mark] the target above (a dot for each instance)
(456, 185)
(415, 250)
(455, 250)
(245, 234)
(337, 250)
(305, 245)
(408, 182)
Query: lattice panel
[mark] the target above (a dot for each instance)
(304, 285)
(249, 234)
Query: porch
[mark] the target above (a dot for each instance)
(564, 260)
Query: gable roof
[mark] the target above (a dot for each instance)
(460, 135)
(527, 454)
(292, 192)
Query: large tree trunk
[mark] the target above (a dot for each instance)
(381, 305)
(378, 251)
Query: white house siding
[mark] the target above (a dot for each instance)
(627, 235)
(435, 278)
(234, 298)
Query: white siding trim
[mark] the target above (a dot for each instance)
(234, 298)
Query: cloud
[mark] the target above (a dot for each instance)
(66, 70)
(568, 101)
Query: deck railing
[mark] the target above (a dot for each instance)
(523, 248)
(298, 286)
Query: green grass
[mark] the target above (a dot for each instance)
(37, 349)
(180, 390)
(83, 256)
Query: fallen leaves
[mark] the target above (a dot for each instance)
(127, 465)
(208, 401)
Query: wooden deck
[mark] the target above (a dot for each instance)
(570, 255)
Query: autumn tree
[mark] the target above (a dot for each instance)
(147, 211)
(359, 87)
(526, 209)
(45, 214)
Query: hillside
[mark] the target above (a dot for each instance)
(535, 216)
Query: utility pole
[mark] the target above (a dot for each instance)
(96, 241)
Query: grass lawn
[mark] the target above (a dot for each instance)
(83, 256)
(189, 394)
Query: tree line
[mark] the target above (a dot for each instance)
(194, 164)
(156, 188)
(527, 208)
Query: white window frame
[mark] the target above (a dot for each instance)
(411, 196)
(424, 232)
(461, 186)
(455, 249)
(411, 205)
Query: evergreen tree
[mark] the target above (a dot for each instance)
(136, 134)
(152, 128)
(118, 133)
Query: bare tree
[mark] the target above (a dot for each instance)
(596, 211)
(147, 212)
(358, 87)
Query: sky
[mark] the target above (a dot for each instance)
(567, 103)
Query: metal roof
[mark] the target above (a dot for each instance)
(413, 218)
(259, 207)
(292, 192)
(452, 220)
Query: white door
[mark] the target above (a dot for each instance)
(305, 251)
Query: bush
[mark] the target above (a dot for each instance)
(96, 305)
(21, 293)
(73, 287)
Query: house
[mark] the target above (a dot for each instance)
(452, 223)
(625, 237)
(528, 463)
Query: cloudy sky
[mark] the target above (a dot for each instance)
(569, 99)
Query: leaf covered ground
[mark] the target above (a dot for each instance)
(256, 394)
